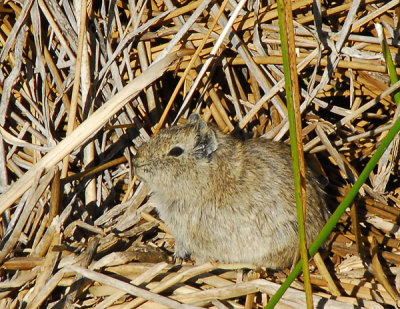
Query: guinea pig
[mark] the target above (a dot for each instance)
(227, 200)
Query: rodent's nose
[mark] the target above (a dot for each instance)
(137, 160)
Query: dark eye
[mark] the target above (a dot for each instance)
(175, 152)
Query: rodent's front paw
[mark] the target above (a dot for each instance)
(178, 260)
(180, 252)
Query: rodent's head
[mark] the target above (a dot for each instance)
(174, 152)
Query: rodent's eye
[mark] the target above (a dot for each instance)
(175, 152)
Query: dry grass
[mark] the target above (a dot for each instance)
(76, 228)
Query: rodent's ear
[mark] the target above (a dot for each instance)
(206, 143)
(193, 118)
(199, 123)
(211, 142)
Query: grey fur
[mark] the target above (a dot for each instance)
(226, 200)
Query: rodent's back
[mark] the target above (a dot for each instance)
(224, 199)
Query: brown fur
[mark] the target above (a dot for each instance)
(226, 200)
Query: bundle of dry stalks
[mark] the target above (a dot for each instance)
(83, 84)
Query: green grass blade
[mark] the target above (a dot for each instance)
(291, 86)
(389, 61)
